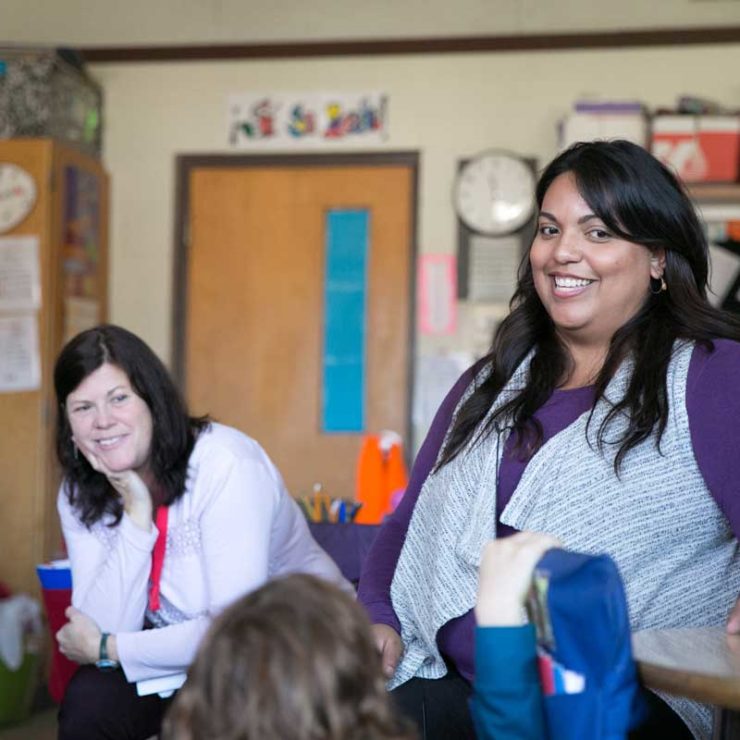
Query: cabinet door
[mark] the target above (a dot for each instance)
(59, 222)
(23, 438)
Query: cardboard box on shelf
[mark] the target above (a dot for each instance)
(592, 120)
(698, 148)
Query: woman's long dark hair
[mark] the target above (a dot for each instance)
(173, 433)
(640, 201)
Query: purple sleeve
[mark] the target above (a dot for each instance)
(374, 591)
(713, 404)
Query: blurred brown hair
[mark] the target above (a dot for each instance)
(294, 660)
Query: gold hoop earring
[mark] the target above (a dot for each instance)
(657, 285)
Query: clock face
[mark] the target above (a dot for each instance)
(17, 195)
(494, 193)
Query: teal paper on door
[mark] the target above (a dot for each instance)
(345, 321)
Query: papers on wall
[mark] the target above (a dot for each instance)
(20, 282)
(295, 119)
(492, 267)
(435, 376)
(437, 293)
(20, 365)
(478, 324)
(20, 299)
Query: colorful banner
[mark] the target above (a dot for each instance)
(282, 120)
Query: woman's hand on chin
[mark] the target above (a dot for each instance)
(137, 499)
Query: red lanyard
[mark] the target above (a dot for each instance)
(158, 557)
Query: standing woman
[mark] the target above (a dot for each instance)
(167, 520)
(606, 414)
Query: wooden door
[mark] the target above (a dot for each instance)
(253, 305)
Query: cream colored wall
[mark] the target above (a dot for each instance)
(446, 107)
(111, 22)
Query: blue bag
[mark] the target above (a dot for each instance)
(588, 675)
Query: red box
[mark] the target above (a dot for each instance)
(698, 148)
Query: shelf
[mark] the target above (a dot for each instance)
(718, 192)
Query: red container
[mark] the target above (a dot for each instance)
(56, 593)
(62, 669)
(698, 148)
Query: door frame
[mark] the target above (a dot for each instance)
(185, 163)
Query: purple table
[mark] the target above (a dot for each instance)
(347, 544)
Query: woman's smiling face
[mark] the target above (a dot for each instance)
(590, 281)
(110, 421)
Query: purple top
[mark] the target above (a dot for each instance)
(713, 405)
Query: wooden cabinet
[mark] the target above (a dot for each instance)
(69, 222)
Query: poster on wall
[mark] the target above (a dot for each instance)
(291, 120)
(437, 293)
(20, 279)
(20, 359)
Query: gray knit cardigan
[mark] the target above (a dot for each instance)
(674, 547)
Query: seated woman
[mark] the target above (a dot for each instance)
(268, 670)
(167, 519)
(605, 414)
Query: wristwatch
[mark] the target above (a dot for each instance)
(105, 663)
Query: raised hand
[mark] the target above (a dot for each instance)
(505, 577)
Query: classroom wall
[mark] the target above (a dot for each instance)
(110, 22)
(446, 107)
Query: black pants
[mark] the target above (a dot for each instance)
(104, 706)
(439, 706)
(440, 709)
(662, 722)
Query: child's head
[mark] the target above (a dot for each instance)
(294, 660)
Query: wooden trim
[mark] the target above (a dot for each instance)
(705, 192)
(447, 45)
(180, 268)
(186, 163)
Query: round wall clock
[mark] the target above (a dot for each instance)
(17, 195)
(494, 193)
